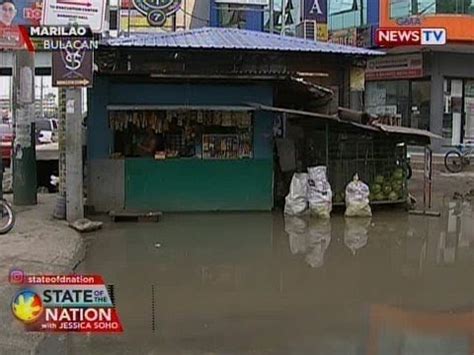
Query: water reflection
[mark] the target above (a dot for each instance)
(309, 236)
(395, 330)
(356, 233)
(256, 283)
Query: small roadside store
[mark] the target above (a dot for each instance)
(376, 152)
(172, 119)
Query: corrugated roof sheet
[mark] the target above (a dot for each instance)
(234, 39)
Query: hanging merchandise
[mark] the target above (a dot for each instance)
(227, 119)
(246, 120)
(296, 201)
(319, 192)
(357, 199)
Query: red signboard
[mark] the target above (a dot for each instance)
(409, 36)
(395, 67)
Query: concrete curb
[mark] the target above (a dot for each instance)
(38, 244)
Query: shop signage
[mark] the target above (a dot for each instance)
(364, 37)
(316, 10)
(72, 68)
(134, 21)
(395, 67)
(409, 21)
(346, 37)
(394, 37)
(21, 12)
(157, 11)
(80, 12)
(322, 34)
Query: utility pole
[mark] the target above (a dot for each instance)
(24, 152)
(60, 208)
(272, 20)
(74, 177)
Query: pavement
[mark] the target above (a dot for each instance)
(38, 244)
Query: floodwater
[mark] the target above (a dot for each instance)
(261, 283)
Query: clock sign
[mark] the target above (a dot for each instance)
(157, 11)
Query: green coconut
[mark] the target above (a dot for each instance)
(393, 196)
(379, 179)
(376, 188)
(398, 174)
(397, 188)
(379, 197)
(387, 188)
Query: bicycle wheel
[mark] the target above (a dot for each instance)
(409, 171)
(7, 217)
(453, 161)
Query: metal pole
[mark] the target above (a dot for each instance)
(283, 14)
(128, 29)
(41, 98)
(24, 152)
(74, 181)
(272, 22)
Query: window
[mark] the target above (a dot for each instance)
(43, 125)
(347, 14)
(409, 100)
(46, 97)
(420, 104)
(182, 134)
(406, 8)
(231, 16)
(389, 98)
(5, 98)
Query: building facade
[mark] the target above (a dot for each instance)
(428, 87)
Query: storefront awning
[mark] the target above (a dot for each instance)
(242, 108)
(414, 136)
(322, 116)
(407, 131)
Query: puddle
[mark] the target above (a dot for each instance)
(257, 283)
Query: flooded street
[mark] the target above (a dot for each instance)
(257, 283)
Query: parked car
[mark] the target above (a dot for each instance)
(46, 130)
(6, 136)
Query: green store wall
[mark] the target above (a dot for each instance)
(188, 184)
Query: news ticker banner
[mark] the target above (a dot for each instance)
(64, 303)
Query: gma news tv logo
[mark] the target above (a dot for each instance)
(396, 36)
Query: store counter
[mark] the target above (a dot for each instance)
(198, 185)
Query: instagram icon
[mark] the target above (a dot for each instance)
(16, 276)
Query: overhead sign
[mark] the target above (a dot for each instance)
(315, 10)
(72, 67)
(322, 34)
(12, 15)
(134, 21)
(346, 37)
(79, 12)
(394, 37)
(364, 37)
(395, 67)
(157, 11)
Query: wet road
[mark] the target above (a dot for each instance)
(259, 283)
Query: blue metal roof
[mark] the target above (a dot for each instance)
(234, 39)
